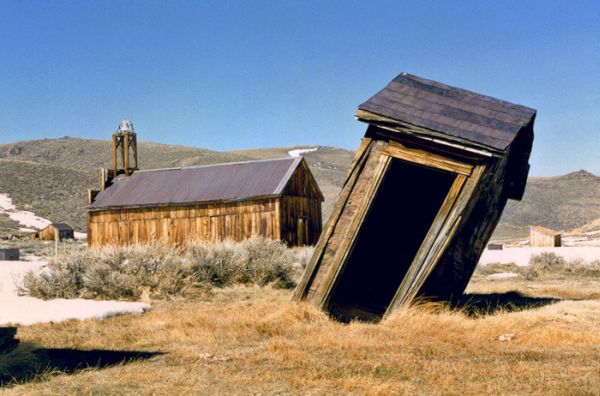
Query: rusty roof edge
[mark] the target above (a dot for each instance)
(287, 176)
(92, 208)
(310, 175)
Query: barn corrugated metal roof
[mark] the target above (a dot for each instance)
(220, 182)
(454, 112)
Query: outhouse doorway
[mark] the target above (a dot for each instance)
(408, 200)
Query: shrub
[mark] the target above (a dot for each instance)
(549, 264)
(496, 268)
(63, 278)
(164, 271)
(218, 264)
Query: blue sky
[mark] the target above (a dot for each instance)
(247, 74)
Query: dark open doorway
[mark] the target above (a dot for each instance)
(400, 216)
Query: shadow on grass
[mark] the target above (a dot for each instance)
(30, 363)
(489, 304)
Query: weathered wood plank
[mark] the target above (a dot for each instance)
(358, 162)
(398, 150)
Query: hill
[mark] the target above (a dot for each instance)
(50, 177)
(560, 202)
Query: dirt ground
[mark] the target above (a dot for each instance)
(509, 336)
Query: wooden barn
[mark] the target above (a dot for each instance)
(276, 198)
(424, 193)
(544, 237)
(51, 231)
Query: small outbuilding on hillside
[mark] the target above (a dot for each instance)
(276, 198)
(544, 237)
(51, 231)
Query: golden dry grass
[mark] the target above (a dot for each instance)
(255, 341)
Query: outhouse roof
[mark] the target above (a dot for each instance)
(455, 113)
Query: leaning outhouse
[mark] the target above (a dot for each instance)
(424, 193)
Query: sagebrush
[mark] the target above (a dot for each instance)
(545, 265)
(164, 271)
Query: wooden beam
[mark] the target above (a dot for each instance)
(347, 244)
(355, 169)
(398, 150)
(115, 145)
(424, 133)
(439, 236)
(126, 154)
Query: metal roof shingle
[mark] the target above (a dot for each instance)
(229, 181)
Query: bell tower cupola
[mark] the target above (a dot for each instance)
(124, 143)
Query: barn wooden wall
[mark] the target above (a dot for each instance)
(301, 219)
(301, 222)
(178, 224)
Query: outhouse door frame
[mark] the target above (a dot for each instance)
(444, 225)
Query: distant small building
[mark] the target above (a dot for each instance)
(10, 254)
(63, 230)
(544, 237)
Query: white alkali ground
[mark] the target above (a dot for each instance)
(296, 153)
(23, 310)
(28, 220)
(521, 255)
(503, 275)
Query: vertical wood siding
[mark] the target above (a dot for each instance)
(300, 211)
(178, 224)
(543, 238)
(297, 210)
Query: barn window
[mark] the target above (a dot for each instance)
(399, 218)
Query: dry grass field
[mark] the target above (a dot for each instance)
(251, 340)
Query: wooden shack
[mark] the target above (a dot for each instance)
(276, 198)
(544, 237)
(424, 193)
(49, 233)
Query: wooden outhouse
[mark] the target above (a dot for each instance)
(49, 233)
(424, 193)
(544, 237)
(276, 198)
